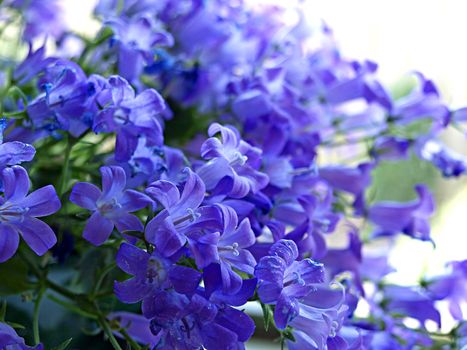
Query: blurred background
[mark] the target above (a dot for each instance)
(401, 36)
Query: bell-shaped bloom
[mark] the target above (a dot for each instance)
(15, 152)
(151, 273)
(412, 302)
(283, 281)
(136, 326)
(41, 19)
(129, 116)
(231, 157)
(410, 218)
(168, 230)
(227, 251)
(67, 93)
(183, 323)
(452, 287)
(136, 39)
(320, 317)
(19, 212)
(110, 207)
(9, 339)
(450, 163)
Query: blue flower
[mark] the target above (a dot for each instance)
(110, 207)
(410, 218)
(283, 281)
(129, 116)
(19, 212)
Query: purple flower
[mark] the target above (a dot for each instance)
(41, 19)
(412, 302)
(233, 158)
(136, 326)
(129, 116)
(320, 316)
(390, 148)
(411, 218)
(136, 39)
(65, 100)
(182, 323)
(452, 287)
(9, 340)
(151, 273)
(110, 207)
(282, 280)
(227, 251)
(450, 163)
(168, 230)
(19, 212)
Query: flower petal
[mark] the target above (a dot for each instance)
(42, 202)
(9, 240)
(85, 195)
(98, 229)
(37, 234)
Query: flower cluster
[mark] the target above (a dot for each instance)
(232, 149)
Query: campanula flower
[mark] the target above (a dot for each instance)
(228, 251)
(283, 280)
(410, 218)
(110, 207)
(19, 212)
(168, 230)
(233, 158)
(182, 323)
(129, 116)
(9, 339)
(319, 319)
(136, 38)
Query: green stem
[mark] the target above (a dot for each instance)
(35, 320)
(108, 332)
(130, 340)
(66, 167)
(104, 273)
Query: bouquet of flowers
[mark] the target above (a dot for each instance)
(199, 161)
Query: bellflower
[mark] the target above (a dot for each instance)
(227, 251)
(151, 273)
(233, 158)
(451, 287)
(129, 116)
(181, 216)
(136, 326)
(182, 323)
(447, 161)
(410, 218)
(64, 101)
(9, 340)
(282, 280)
(136, 38)
(19, 212)
(110, 207)
(320, 317)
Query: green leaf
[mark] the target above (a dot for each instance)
(63, 345)
(14, 277)
(3, 311)
(267, 315)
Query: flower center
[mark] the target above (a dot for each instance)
(155, 273)
(238, 159)
(108, 207)
(13, 213)
(190, 217)
(231, 248)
